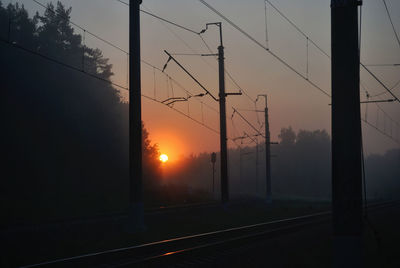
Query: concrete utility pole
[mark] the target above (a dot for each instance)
(267, 153)
(346, 135)
(222, 119)
(222, 114)
(135, 119)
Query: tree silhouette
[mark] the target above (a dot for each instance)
(64, 134)
(287, 136)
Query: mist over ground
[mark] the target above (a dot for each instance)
(65, 138)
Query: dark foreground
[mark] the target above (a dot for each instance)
(307, 247)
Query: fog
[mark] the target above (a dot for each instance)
(64, 138)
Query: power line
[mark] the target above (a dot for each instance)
(302, 32)
(188, 73)
(182, 113)
(282, 61)
(15, 45)
(391, 22)
(190, 93)
(382, 110)
(364, 66)
(185, 28)
(170, 22)
(380, 131)
(297, 28)
(178, 84)
(384, 65)
(195, 52)
(82, 28)
(251, 125)
(380, 82)
(165, 20)
(267, 49)
(385, 92)
(263, 47)
(226, 71)
(385, 113)
(273, 54)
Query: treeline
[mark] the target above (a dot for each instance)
(383, 175)
(64, 134)
(300, 167)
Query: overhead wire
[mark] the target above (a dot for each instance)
(160, 18)
(384, 65)
(227, 72)
(385, 92)
(391, 22)
(202, 39)
(15, 45)
(185, 28)
(264, 47)
(82, 28)
(280, 59)
(247, 121)
(182, 113)
(380, 82)
(385, 114)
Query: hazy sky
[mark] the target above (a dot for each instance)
(292, 101)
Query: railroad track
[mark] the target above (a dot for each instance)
(197, 250)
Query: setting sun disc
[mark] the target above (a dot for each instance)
(163, 158)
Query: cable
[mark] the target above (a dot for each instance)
(380, 131)
(170, 22)
(384, 65)
(182, 113)
(177, 83)
(188, 73)
(380, 82)
(241, 116)
(15, 45)
(263, 47)
(385, 92)
(83, 29)
(119, 48)
(297, 28)
(364, 66)
(195, 52)
(391, 22)
(227, 73)
(165, 20)
(96, 77)
(384, 114)
(127, 53)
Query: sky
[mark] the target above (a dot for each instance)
(292, 101)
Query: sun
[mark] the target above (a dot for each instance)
(163, 158)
